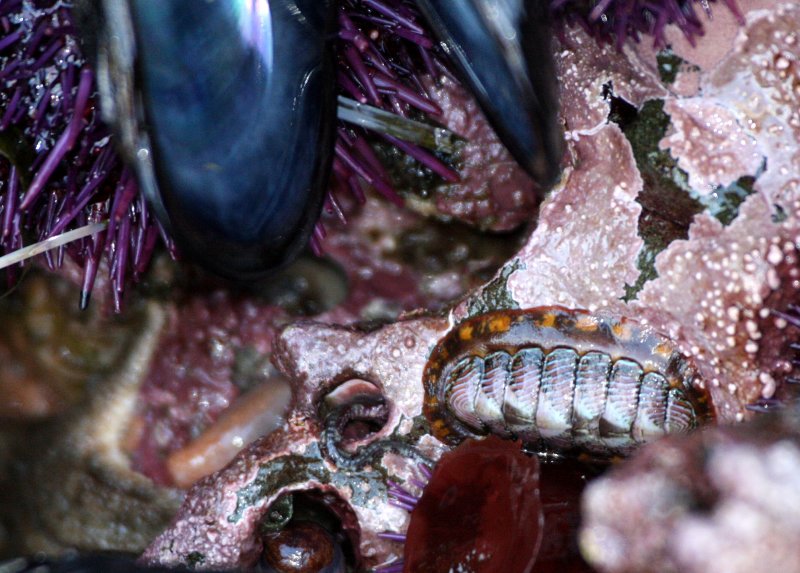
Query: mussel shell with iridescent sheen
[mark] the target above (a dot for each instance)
(502, 49)
(227, 112)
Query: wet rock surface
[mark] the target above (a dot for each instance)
(394, 283)
(723, 499)
(70, 479)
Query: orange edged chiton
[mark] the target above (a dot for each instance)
(560, 379)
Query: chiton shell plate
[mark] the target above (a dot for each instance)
(559, 379)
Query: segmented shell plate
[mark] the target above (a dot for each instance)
(559, 378)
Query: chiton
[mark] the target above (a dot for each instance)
(560, 379)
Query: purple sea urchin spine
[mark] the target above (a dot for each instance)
(616, 20)
(64, 144)
(383, 47)
(73, 175)
(401, 497)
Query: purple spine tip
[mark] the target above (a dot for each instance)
(616, 21)
(765, 405)
(64, 143)
(49, 95)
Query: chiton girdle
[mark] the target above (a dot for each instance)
(560, 379)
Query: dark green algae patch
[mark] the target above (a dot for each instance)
(195, 559)
(367, 486)
(669, 64)
(669, 204)
(496, 295)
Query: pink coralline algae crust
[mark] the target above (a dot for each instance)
(586, 69)
(760, 82)
(316, 358)
(711, 295)
(749, 111)
(709, 144)
(494, 193)
(710, 48)
(393, 358)
(724, 499)
(202, 525)
(319, 357)
(715, 285)
(584, 249)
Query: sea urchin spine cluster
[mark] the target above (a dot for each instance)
(617, 20)
(59, 170)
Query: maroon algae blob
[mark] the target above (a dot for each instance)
(480, 512)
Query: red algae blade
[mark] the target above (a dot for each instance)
(480, 512)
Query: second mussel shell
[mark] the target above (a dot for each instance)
(502, 49)
(227, 110)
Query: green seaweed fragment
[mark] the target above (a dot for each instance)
(496, 295)
(669, 203)
(194, 559)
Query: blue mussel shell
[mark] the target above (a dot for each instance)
(502, 50)
(227, 111)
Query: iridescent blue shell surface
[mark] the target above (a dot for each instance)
(502, 50)
(227, 111)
